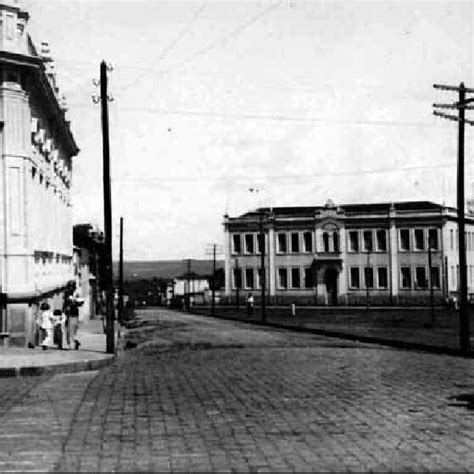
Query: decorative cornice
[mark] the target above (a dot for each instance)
(53, 109)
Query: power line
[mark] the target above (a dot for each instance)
(233, 34)
(213, 44)
(170, 45)
(307, 176)
(269, 117)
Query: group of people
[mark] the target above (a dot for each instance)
(57, 327)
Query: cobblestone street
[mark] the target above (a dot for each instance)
(198, 394)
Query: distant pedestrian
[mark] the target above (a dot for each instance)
(46, 325)
(249, 304)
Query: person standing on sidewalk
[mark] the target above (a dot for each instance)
(72, 303)
(59, 327)
(46, 325)
(72, 313)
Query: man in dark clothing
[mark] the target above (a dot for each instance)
(73, 323)
(71, 308)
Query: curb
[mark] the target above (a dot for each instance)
(35, 370)
(415, 346)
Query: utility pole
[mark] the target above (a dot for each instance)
(214, 250)
(431, 284)
(187, 297)
(120, 296)
(461, 105)
(237, 286)
(367, 283)
(109, 280)
(262, 267)
(213, 303)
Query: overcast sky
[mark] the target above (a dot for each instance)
(303, 100)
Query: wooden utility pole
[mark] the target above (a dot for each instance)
(237, 286)
(262, 268)
(461, 105)
(430, 267)
(213, 290)
(187, 297)
(214, 250)
(120, 295)
(367, 289)
(109, 280)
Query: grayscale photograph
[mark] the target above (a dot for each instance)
(236, 236)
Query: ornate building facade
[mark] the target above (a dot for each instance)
(37, 148)
(387, 254)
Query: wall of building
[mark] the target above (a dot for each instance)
(35, 211)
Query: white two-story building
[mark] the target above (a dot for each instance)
(347, 254)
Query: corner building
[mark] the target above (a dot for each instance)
(37, 148)
(344, 255)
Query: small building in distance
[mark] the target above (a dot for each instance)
(348, 254)
(189, 285)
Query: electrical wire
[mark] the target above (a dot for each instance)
(223, 39)
(184, 31)
(269, 117)
(288, 177)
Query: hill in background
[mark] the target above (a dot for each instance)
(146, 270)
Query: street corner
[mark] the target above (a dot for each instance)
(58, 364)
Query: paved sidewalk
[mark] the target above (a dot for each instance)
(92, 355)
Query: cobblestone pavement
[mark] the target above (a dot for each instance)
(197, 394)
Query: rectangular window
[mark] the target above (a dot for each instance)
(249, 278)
(295, 242)
(435, 277)
(406, 277)
(451, 239)
(248, 243)
(282, 278)
(369, 277)
(453, 277)
(281, 243)
(368, 244)
(420, 274)
(381, 240)
(353, 241)
(237, 278)
(308, 241)
(355, 278)
(404, 239)
(419, 239)
(382, 277)
(308, 278)
(295, 278)
(237, 243)
(433, 239)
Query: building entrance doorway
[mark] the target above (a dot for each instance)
(330, 280)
